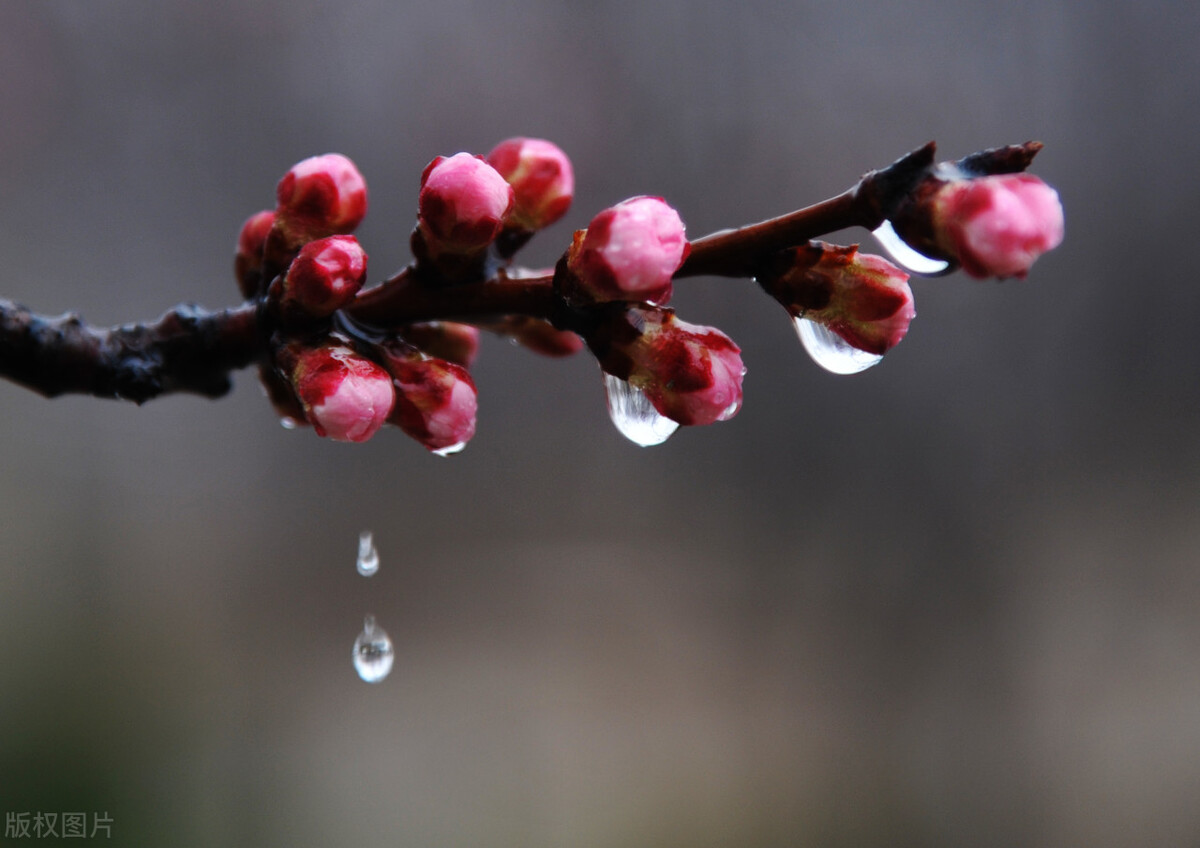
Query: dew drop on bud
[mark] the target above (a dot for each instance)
(831, 351)
(368, 557)
(450, 450)
(903, 254)
(373, 652)
(634, 415)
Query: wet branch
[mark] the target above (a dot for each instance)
(192, 350)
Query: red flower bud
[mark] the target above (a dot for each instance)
(325, 275)
(542, 179)
(691, 374)
(249, 258)
(435, 399)
(462, 205)
(321, 196)
(345, 396)
(863, 298)
(996, 226)
(628, 252)
(457, 343)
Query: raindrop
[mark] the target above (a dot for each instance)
(451, 449)
(288, 423)
(634, 415)
(373, 652)
(831, 351)
(905, 256)
(368, 557)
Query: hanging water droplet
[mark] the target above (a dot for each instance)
(911, 260)
(368, 557)
(288, 423)
(373, 652)
(831, 351)
(451, 449)
(634, 415)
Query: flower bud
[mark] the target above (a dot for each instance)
(996, 226)
(462, 204)
(325, 275)
(457, 343)
(346, 396)
(863, 298)
(691, 374)
(542, 178)
(628, 252)
(435, 399)
(248, 261)
(321, 196)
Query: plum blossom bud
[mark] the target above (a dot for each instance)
(691, 374)
(321, 196)
(435, 399)
(462, 204)
(457, 343)
(863, 298)
(628, 252)
(542, 179)
(248, 261)
(996, 226)
(325, 275)
(346, 396)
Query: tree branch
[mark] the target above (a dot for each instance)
(186, 350)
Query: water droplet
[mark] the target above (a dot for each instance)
(451, 449)
(373, 652)
(368, 557)
(905, 256)
(831, 351)
(288, 423)
(634, 415)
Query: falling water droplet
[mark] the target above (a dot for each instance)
(288, 423)
(368, 557)
(830, 351)
(905, 256)
(634, 415)
(373, 652)
(451, 449)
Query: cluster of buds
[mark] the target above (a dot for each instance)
(347, 360)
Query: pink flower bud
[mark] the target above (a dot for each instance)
(321, 196)
(542, 179)
(628, 252)
(345, 396)
(435, 399)
(249, 258)
(462, 205)
(457, 343)
(996, 226)
(325, 275)
(691, 374)
(863, 298)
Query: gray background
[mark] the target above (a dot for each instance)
(954, 600)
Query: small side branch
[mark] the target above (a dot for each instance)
(186, 350)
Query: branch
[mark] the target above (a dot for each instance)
(347, 360)
(186, 350)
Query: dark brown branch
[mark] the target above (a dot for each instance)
(741, 252)
(191, 350)
(186, 350)
(406, 298)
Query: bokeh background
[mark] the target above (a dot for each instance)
(954, 600)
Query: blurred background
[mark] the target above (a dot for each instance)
(953, 600)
